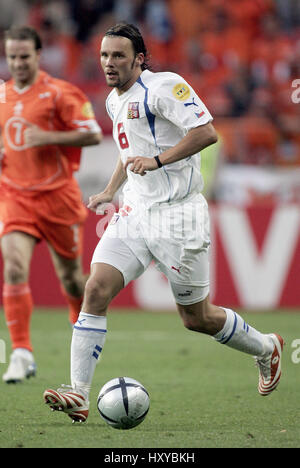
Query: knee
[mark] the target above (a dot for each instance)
(98, 292)
(14, 270)
(73, 282)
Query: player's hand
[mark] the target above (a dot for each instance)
(140, 165)
(100, 202)
(35, 136)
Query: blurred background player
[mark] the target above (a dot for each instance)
(44, 123)
(159, 125)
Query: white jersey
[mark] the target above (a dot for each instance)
(152, 116)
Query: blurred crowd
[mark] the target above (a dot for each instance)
(241, 56)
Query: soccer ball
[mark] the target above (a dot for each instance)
(123, 403)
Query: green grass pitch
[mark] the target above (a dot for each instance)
(202, 394)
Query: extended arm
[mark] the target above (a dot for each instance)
(35, 136)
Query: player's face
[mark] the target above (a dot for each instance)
(120, 64)
(23, 61)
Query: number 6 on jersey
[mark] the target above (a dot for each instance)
(122, 136)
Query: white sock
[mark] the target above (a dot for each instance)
(89, 333)
(23, 352)
(237, 334)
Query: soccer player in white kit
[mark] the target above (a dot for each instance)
(159, 125)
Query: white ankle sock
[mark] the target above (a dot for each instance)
(89, 333)
(23, 352)
(237, 334)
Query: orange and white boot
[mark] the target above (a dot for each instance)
(270, 367)
(69, 401)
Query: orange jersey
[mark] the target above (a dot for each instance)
(51, 104)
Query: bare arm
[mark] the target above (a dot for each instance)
(35, 136)
(117, 179)
(196, 140)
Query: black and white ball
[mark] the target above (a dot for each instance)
(123, 403)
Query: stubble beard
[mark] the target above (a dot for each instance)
(119, 84)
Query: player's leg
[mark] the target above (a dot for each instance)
(225, 325)
(113, 266)
(89, 334)
(72, 279)
(229, 328)
(17, 249)
(190, 284)
(61, 217)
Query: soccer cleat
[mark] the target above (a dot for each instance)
(270, 367)
(68, 400)
(21, 366)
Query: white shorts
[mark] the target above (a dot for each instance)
(174, 236)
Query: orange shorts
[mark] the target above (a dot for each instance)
(57, 216)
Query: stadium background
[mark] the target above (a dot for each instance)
(243, 59)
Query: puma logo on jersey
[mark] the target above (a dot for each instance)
(187, 104)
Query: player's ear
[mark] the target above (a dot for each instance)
(139, 58)
(38, 53)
